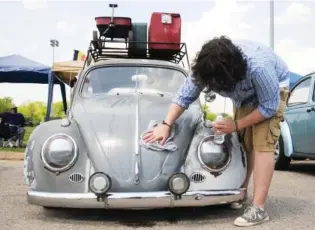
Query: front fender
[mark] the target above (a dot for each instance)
(287, 139)
(231, 178)
(39, 178)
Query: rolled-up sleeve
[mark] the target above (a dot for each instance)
(187, 93)
(267, 88)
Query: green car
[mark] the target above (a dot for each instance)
(297, 140)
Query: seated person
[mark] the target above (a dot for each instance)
(5, 131)
(16, 121)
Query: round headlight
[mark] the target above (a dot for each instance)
(100, 183)
(59, 152)
(212, 156)
(178, 183)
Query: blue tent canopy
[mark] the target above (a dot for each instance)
(18, 69)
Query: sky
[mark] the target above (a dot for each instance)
(27, 26)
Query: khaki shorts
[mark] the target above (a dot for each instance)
(263, 136)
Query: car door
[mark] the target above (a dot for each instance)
(311, 122)
(297, 116)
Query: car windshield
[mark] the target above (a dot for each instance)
(132, 79)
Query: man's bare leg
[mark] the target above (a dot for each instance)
(250, 166)
(263, 172)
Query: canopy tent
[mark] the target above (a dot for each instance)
(68, 70)
(18, 69)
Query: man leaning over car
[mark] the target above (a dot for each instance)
(257, 81)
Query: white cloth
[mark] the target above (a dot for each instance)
(169, 144)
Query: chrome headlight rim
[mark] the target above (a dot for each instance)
(207, 138)
(70, 164)
(109, 184)
(174, 176)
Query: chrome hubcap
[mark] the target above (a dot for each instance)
(277, 151)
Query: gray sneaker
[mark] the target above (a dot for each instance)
(252, 216)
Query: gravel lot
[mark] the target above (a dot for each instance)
(291, 205)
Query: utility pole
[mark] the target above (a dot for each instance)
(272, 25)
(53, 43)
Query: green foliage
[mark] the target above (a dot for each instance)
(5, 104)
(211, 116)
(204, 107)
(33, 111)
(58, 110)
(226, 115)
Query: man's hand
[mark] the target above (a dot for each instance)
(159, 133)
(225, 126)
(228, 125)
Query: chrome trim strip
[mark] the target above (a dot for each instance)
(142, 200)
(136, 180)
(137, 136)
(137, 132)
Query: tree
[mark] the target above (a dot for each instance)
(5, 104)
(58, 110)
(33, 111)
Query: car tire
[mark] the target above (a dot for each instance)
(282, 162)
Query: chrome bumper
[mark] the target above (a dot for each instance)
(141, 200)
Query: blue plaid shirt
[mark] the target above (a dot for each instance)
(266, 74)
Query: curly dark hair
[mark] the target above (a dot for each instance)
(219, 65)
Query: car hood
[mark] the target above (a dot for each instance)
(111, 127)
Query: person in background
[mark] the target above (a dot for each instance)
(19, 121)
(257, 81)
(16, 121)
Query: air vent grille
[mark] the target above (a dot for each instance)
(76, 178)
(197, 178)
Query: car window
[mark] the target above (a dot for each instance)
(119, 80)
(314, 93)
(300, 93)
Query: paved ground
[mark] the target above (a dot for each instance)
(291, 206)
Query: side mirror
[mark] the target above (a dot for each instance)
(210, 97)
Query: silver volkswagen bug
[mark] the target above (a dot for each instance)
(94, 157)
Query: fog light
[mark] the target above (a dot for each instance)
(178, 183)
(99, 183)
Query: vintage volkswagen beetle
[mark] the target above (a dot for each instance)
(298, 130)
(93, 159)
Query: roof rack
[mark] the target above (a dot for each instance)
(100, 49)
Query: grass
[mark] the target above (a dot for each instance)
(28, 131)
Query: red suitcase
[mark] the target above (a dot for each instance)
(165, 27)
(121, 29)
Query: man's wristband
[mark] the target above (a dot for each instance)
(164, 123)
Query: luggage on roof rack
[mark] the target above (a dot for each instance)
(121, 28)
(164, 34)
(113, 27)
(163, 42)
(137, 43)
